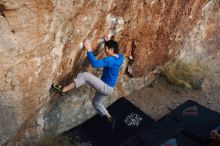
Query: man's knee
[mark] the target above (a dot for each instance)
(86, 74)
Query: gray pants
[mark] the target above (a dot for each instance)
(102, 89)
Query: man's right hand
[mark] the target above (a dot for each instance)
(87, 45)
(108, 37)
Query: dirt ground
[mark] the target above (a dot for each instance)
(156, 99)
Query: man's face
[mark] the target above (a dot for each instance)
(109, 52)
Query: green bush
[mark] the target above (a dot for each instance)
(185, 74)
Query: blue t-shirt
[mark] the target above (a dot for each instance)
(111, 66)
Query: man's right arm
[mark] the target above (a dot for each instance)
(93, 61)
(97, 63)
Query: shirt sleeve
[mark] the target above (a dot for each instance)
(97, 63)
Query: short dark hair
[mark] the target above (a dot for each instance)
(111, 44)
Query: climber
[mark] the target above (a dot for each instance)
(111, 66)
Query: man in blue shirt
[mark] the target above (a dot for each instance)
(111, 66)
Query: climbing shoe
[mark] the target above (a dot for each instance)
(112, 123)
(59, 88)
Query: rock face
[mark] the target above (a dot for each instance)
(40, 44)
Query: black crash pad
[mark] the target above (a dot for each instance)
(133, 141)
(129, 120)
(183, 140)
(156, 136)
(153, 136)
(197, 120)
